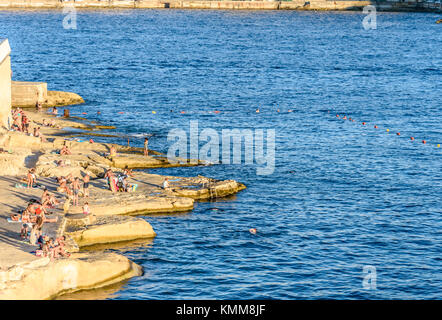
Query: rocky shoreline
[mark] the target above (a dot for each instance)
(300, 5)
(112, 218)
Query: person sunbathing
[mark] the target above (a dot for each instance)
(51, 200)
(128, 172)
(60, 163)
(56, 250)
(63, 186)
(59, 247)
(40, 211)
(54, 124)
(38, 134)
(65, 151)
(44, 195)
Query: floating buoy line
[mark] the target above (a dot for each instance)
(338, 116)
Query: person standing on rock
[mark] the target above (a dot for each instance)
(25, 124)
(146, 143)
(76, 190)
(86, 180)
(31, 179)
(66, 205)
(113, 152)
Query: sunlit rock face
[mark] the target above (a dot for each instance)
(5, 84)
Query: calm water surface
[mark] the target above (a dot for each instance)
(343, 196)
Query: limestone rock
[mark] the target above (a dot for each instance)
(61, 98)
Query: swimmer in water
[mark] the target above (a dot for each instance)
(253, 230)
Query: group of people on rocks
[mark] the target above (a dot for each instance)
(71, 186)
(52, 248)
(118, 182)
(33, 218)
(21, 123)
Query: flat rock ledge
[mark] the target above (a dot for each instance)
(44, 279)
(92, 230)
(140, 204)
(209, 189)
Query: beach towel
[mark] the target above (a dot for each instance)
(13, 221)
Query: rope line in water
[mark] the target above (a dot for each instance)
(386, 129)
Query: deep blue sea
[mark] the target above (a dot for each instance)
(343, 196)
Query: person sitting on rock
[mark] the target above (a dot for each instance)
(38, 106)
(56, 250)
(128, 172)
(53, 124)
(166, 184)
(86, 209)
(63, 186)
(48, 199)
(59, 247)
(65, 151)
(44, 195)
(60, 163)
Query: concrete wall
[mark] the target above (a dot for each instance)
(5, 84)
(26, 94)
(390, 5)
